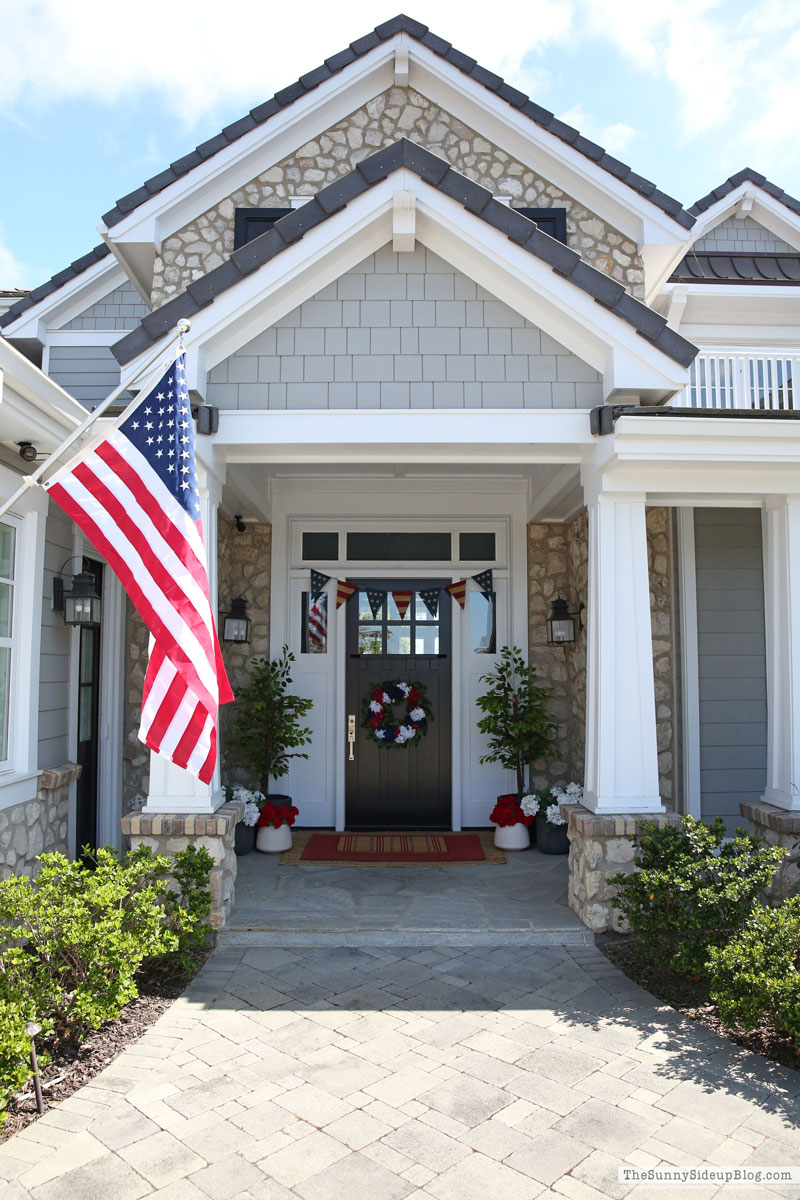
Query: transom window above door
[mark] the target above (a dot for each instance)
(386, 632)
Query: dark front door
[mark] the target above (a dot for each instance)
(88, 722)
(397, 787)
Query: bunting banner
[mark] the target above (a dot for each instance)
(402, 600)
(430, 598)
(484, 582)
(458, 591)
(376, 600)
(318, 582)
(344, 591)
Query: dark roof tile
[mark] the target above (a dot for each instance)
(644, 320)
(206, 289)
(366, 43)
(96, 254)
(389, 28)
(378, 165)
(588, 149)
(639, 184)
(487, 79)
(212, 146)
(128, 203)
(747, 175)
(510, 222)
(338, 62)
(288, 95)
(700, 267)
(553, 252)
(134, 343)
(159, 182)
(435, 43)
(298, 222)
(462, 62)
(239, 128)
(313, 79)
(512, 95)
(157, 323)
(189, 161)
(565, 133)
(465, 191)
(336, 195)
(620, 169)
(427, 165)
(602, 287)
(262, 112)
(254, 254)
(675, 347)
(415, 28)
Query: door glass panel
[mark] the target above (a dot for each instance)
(426, 640)
(370, 640)
(482, 631)
(85, 713)
(87, 654)
(394, 614)
(5, 696)
(398, 639)
(5, 609)
(364, 610)
(7, 536)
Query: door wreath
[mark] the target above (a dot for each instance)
(379, 718)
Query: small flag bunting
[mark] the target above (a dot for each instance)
(344, 591)
(458, 591)
(402, 600)
(318, 582)
(376, 600)
(484, 582)
(430, 598)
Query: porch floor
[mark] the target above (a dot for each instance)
(523, 902)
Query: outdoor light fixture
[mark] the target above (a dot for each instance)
(240, 525)
(561, 622)
(81, 605)
(27, 451)
(236, 627)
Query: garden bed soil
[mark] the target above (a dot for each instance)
(689, 996)
(71, 1065)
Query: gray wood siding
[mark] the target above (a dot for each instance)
(743, 236)
(56, 642)
(731, 660)
(403, 331)
(88, 373)
(121, 309)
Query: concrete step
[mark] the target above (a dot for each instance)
(234, 935)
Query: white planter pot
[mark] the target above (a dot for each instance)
(512, 837)
(272, 841)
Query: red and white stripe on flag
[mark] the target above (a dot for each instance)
(318, 622)
(142, 515)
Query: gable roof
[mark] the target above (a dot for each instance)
(747, 175)
(438, 174)
(54, 283)
(443, 49)
(721, 267)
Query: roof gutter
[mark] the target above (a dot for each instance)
(604, 418)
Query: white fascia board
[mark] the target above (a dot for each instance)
(30, 392)
(68, 301)
(210, 182)
(386, 436)
(734, 307)
(528, 285)
(768, 211)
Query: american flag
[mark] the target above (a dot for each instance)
(318, 622)
(133, 493)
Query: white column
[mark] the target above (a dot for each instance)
(782, 620)
(173, 790)
(621, 774)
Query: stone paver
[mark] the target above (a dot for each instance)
(386, 1072)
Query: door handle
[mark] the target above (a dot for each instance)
(351, 736)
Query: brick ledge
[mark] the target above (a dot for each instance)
(769, 815)
(217, 824)
(589, 824)
(56, 777)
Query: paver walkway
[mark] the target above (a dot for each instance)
(378, 1073)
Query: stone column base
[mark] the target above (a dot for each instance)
(778, 828)
(165, 833)
(601, 846)
(37, 826)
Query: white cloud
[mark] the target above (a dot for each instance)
(614, 137)
(13, 273)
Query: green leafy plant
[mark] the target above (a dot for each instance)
(186, 910)
(757, 973)
(267, 728)
(517, 721)
(15, 1048)
(692, 890)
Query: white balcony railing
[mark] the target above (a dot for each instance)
(756, 380)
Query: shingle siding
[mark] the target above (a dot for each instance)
(88, 373)
(731, 660)
(121, 309)
(743, 236)
(403, 331)
(56, 646)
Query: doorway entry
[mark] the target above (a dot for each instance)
(88, 722)
(399, 787)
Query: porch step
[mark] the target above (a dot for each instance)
(234, 935)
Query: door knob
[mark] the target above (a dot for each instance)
(351, 736)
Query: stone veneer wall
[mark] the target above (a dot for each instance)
(558, 560)
(37, 826)
(244, 570)
(207, 242)
(778, 828)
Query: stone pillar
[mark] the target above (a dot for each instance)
(778, 828)
(782, 619)
(599, 847)
(621, 748)
(173, 790)
(168, 834)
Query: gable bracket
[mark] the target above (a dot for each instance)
(404, 221)
(401, 66)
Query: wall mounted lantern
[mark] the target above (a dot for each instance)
(236, 626)
(81, 605)
(561, 622)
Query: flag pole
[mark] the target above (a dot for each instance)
(182, 327)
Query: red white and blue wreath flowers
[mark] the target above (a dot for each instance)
(380, 721)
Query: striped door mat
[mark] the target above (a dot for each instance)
(378, 849)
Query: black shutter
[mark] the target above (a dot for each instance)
(552, 221)
(250, 222)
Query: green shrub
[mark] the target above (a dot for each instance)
(692, 889)
(758, 973)
(187, 909)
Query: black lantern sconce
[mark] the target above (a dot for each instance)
(236, 626)
(81, 605)
(561, 622)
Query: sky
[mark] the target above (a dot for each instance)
(95, 98)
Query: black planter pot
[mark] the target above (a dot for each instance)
(244, 839)
(551, 839)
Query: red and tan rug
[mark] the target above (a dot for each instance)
(392, 849)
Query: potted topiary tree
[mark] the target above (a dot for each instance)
(267, 729)
(517, 721)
